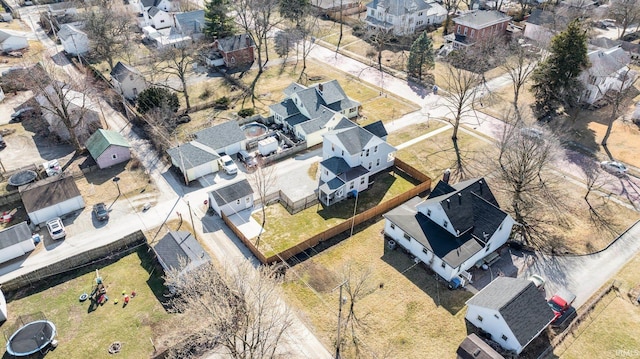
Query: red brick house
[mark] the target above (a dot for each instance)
(476, 25)
(233, 51)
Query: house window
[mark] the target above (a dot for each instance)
(351, 110)
(238, 201)
(131, 77)
(377, 162)
(370, 165)
(362, 180)
(342, 153)
(472, 33)
(487, 249)
(248, 199)
(465, 31)
(375, 149)
(393, 226)
(425, 251)
(333, 148)
(326, 172)
(429, 212)
(135, 91)
(504, 337)
(443, 265)
(114, 156)
(161, 21)
(496, 315)
(367, 153)
(420, 13)
(479, 318)
(351, 185)
(340, 193)
(458, 31)
(407, 237)
(445, 224)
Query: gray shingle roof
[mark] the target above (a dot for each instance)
(231, 192)
(547, 19)
(153, 11)
(473, 347)
(177, 246)
(377, 129)
(48, 192)
(285, 108)
(399, 7)
(220, 136)
(192, 21)
(122, 70)
(293, 88)
(236, 42)
(453, 250)
(191, 156)
(335, 165)
(522, 306)
(330, 186)
(480, 18)
(354, 139)
(607, 62)
(353, 173)
(318, 123)
(67, 30)
(14, 235)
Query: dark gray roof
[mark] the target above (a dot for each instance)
(335, 165)
(236, 42)
(399, 7)
(190, 156)
(473, 347)
(153, 11)
(451, 249)
(522, 306)
(354, 139)
(48, 192)
(285, 108)
(176, 245)
(231, 192)
(353, 173)
(293, 88)
(481, 18)
(318, 123)
(122, 70)
(607, 62)
(548, 19)
(220, 136)
(332, 185)
(192, 21)
(377, 129)
(14, 235)
(470, 206)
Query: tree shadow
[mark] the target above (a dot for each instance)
(426, 279)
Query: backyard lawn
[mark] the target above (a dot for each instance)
(612, 330)
(284, 230)
(405, 311)
(83, 333)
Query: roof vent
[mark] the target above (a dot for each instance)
(459, 198)
(320, 87)
(448, 203)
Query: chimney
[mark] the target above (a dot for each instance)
(320, 87)
(446, 175)
(459, 198)
(247, 40)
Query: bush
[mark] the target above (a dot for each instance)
(205, 94)
(222, 103)
(157, 97)
(246, 112)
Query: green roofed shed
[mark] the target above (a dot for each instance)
(108, 148)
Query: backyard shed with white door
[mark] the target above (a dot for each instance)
(231, 198)
(50, 198)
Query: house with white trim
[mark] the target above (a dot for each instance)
(73, 40)
(231, 198)
(127, 80)
(403, 17)
(351, 156)
(609, 71)
(477, 25)
(455, 227)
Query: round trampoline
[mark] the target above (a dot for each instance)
(31, 338)
(22, 178)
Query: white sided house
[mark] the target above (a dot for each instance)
(609, 71)
(351, 155)
(11, 40)
(158, 19)
(309, 112)
(231, 198)
(194, 160)
(455, 227)
(225, 138)
(73, 40)
(403, 17)
(512, 310)
(50, 198)
(127, 80)
(15, 242)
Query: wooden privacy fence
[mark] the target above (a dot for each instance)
(311, 242)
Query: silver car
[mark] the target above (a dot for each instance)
(614, 167)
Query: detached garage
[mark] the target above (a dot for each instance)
(194, 160)
(231, 198)
(15, 242)
(50, 198)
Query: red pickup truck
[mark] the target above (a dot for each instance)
(561, 302)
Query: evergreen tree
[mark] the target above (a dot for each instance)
(294, 10)
(157, 97)
(217, 23)
(555, 80)
(421, 56)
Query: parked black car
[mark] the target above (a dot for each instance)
(248, 159)
(100, 211)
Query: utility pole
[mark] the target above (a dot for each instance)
(341, 301)
(193, 227)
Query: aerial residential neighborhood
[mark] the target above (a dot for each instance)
(319, 179)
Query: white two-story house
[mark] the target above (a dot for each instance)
(309, 112)
(455, 227)
(609, 70)
(127, 80)
(403, 17)
(351, 155)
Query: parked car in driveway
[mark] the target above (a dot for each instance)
(56, 228)
(614, 167)
(100, 211)
(227, 165)
(561, 302)
(248, 159)
(532, 132)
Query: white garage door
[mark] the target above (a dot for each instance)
(58, 210)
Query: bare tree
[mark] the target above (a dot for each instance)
(523, 167)
(356, 282)
(110, 30)
(616, 97)
(626, 13)
(237, 310)
(519, 64)
(176, 63)
(263, 180)
(379, 38)
(461, 86)
(451, 6)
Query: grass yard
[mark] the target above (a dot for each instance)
(612, 330)
(413, 131)
(284, 230)
(406, 312)
(83, 333)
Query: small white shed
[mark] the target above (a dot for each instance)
(50, 198)
(15, 241)
(231, 198)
